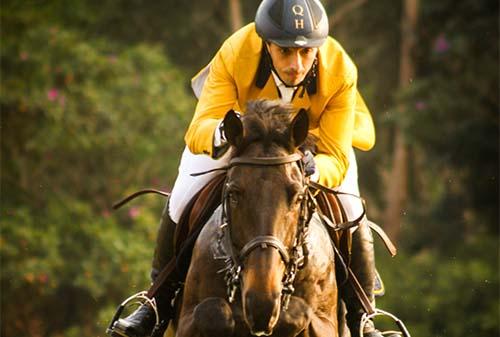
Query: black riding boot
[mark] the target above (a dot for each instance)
(142, 321)
(363, 266)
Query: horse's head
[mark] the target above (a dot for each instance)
(263, 202)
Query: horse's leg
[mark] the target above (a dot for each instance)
(300, 320)
(341, 312)
(212, 317)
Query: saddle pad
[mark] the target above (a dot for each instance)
(196, 214)
(378, 288)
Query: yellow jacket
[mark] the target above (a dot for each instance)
(337, 113)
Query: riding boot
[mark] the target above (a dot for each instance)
(141, 322)
(363, 267)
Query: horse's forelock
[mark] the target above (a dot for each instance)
(267, 122)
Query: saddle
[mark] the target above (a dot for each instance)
(330, 206)
(194, 216)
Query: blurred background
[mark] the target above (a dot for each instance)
(95, 100)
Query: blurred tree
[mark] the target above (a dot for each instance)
(236, 15)
(83, 121)
(397, 177)
(91, 109)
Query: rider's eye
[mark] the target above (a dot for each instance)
(306, 51)
(285, 51)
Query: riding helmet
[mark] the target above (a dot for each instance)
(292, 23)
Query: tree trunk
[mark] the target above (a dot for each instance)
(343, 11)
(236, 17)
(397, 182)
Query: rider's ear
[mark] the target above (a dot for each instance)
(233, 128)
(300, 127)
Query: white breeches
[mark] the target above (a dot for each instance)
(186, 186)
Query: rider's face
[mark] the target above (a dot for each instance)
(291, 63)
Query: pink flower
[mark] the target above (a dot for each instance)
(420, 105)
(23, 56)
(43, 278)
(441, 44)
(52, 94)
(134, 212)
(112, 59)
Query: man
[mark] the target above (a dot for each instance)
(286, 54)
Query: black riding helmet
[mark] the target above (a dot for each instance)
(292, 23)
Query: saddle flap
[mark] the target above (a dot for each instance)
(194, 216)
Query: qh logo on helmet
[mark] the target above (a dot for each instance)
(298, 10)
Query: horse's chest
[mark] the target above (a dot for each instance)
(318, 276)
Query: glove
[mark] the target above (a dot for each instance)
(309, 164)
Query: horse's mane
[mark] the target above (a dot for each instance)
(268, 123)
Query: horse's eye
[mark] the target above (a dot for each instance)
(233, 198)
(294, 194)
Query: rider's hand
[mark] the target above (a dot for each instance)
(309, 164)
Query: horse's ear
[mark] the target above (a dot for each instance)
(300, 128)
(233, 128)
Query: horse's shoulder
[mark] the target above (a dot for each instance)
(319, 239)
(209, 232)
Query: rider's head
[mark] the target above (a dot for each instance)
(293, 30)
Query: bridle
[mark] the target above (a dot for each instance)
(294, 258)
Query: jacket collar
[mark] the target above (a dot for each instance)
(264, 72)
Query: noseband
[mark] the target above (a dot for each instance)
(293, 259)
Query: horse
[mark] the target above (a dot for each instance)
(263, 264)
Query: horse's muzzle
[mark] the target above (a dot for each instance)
(261, 312)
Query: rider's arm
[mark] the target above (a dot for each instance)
(217, 97)
(363, 137)
(335, 132)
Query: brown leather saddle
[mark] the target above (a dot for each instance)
(195, 215)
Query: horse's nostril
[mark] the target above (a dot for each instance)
(261, 312)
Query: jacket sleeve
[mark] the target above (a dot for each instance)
(217, 97)
(363, 137)
(335, 133)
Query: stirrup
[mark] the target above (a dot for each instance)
(140, 298)
(403, 331)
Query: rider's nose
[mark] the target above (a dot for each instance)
(297, 63)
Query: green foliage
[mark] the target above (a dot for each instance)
(449, 116)
(92, 109)
(84, 121)
(444, 295)
(444, 282)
